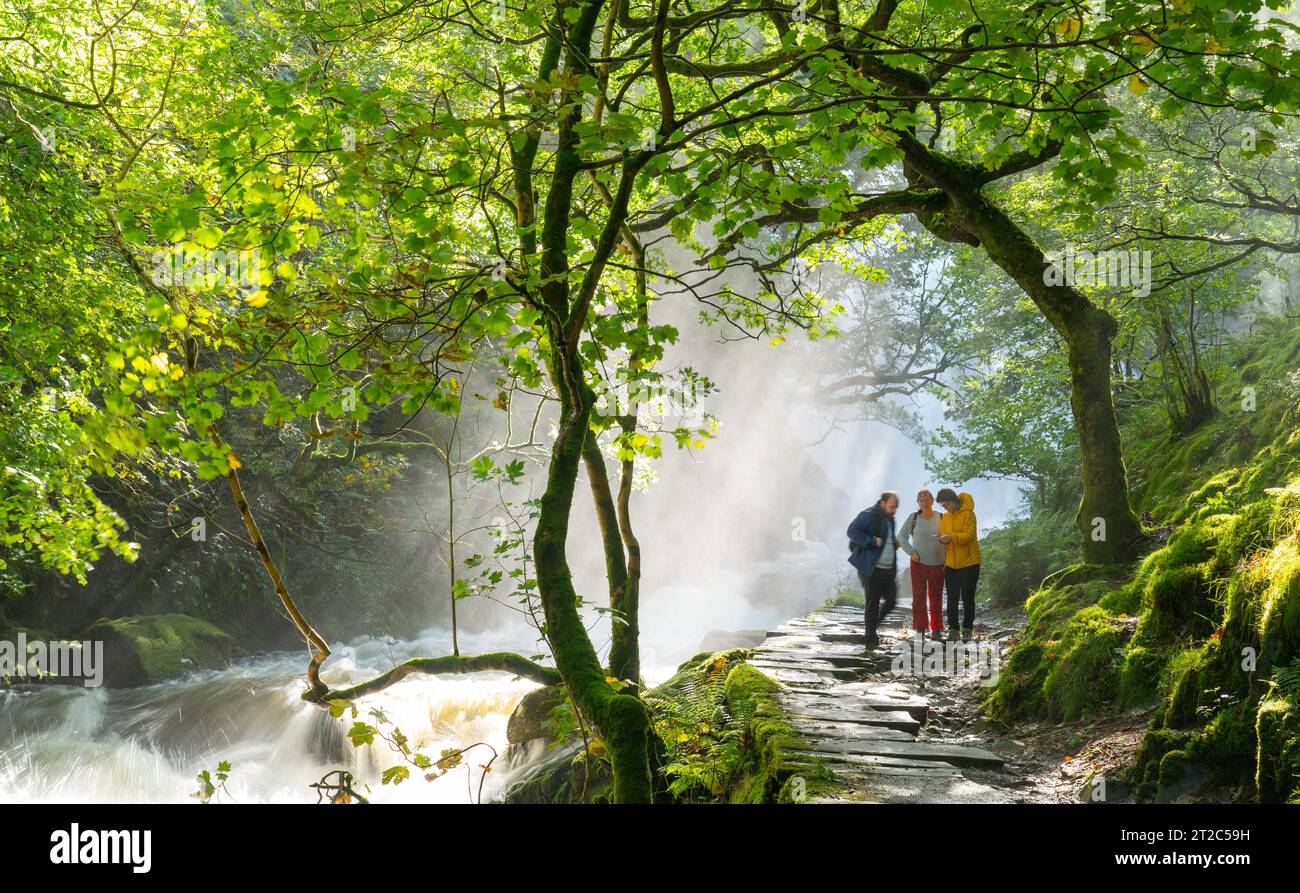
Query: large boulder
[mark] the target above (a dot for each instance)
(1181, 779)
(564, 774)
(534, 709)
(154, 648)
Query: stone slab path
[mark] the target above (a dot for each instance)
(870, 725)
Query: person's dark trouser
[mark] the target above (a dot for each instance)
(880, 587)
(961, 587)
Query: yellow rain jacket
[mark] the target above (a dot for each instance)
(964, 548)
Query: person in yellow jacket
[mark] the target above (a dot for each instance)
(962, 561)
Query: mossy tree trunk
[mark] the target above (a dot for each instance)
(1105, 519)
(621, 720)
(1110, 529)
(624, 652)
(564, 298)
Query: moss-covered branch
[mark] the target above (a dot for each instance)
(502, 661)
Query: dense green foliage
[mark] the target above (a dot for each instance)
(297, 241)
(1206, 626)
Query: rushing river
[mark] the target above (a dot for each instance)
(70, 744)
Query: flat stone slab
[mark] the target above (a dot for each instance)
(795, 662)
(888, 719)
(865, 777)
(877, 761)
(837, 661)
(956, 754)
(920, 789)
(848, 638)
(857, 661)
(797, 700)
(812, 644)
(848, 731)
(878, 689)
(803, 656)
(804, 678)
(819, 630)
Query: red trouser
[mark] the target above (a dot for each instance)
(925, 576)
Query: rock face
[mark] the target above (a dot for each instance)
(562, 774)
(534, 709)
(154, 648)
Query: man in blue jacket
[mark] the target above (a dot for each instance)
(872, 548)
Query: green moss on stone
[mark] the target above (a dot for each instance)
(1277, 729)
(154, 648)
(1139, 677)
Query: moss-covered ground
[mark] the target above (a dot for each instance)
(1204, 630)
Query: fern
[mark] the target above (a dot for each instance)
(702, 737)
(1287, 680)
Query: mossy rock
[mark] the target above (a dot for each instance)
(1180, 777)
(567, 775)
(1248, 531)
(1178, 601)
(1086, 573)
(1277, 729)
(1019, 693)
(1146, 764)
(774, 765)
(1279, 617)
(1139, 678)
(1184, 681)
(532, 714)
(1084, 670)
(1227, 744)
(154, 648)
(1125, 599)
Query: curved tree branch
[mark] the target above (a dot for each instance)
(502, 661)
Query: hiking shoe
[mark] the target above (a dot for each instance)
(873, 641)
(967, 634)
(953, 635)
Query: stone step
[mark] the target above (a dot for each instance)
(806, 666)
(802, 699)
(956, 754)
(848, 638)
(889, 719)
(804, 654)
(807, 680)
(862, 775)
(819, 730)
(842, 661)
(808, 643)
(866, 762)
